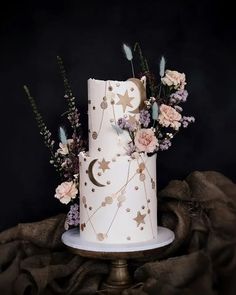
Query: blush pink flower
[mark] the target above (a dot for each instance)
(145, 140)
(66, 191)
(175, 79)
(169, 117)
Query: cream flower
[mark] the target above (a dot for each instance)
(64, 150)
(169, 117)
(145, 140)
(175, 79)
(66, 191)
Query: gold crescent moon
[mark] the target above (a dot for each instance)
(143, 95)
(90, 174)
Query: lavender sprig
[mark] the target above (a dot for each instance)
(44, 131)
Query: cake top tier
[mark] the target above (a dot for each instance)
(107, 102)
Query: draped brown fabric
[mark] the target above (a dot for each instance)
(202, 260)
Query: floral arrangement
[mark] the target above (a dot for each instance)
(160, 118)
(159, 121)
(64, 156)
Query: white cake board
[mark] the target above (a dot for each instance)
(71, 238)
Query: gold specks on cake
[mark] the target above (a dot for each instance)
(99, 173)
(103, 105)
(153, 183)
(142, 177)
(104, 98)
(85, 206)
(112, 101)
(118, 155)
(89, 101)
(86, 171)
(104, 165)
(136, 188)
(84, 200)
(103, 204)
(82, 226)
(94, 135)
(90, 208)
(108, 182)
(141, 166)
(128, 238)
(131, 89)
(139, 218)
(100, 236)
(141, 228)
(108, 200)
(110, 88)
(85, 183)
(89, 130)
(99, 149)
(143, 207)
(121, 198)
(94, 108)
(148, 211)
(148, 200)
(93, 190)
(127, 209)
(84, 159)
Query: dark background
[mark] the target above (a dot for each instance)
(196, 37)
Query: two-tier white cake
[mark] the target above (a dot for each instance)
(118, 198)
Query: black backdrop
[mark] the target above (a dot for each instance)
(196, 37)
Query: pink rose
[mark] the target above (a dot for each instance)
(66, 191)
(145, 140)
(174, 78)
(169, 117)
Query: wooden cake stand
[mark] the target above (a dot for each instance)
(118, 278)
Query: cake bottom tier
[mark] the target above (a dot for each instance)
(118, 200)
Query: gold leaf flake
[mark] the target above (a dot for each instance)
(84, 200)
(128, 238)
(136, 188)
(142, 166)
(127, 209)
(108, 200)
(153, 184)
(121, 198)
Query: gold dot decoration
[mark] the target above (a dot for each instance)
(99, 173)
(148, 200)
(86, 171)
(118, 155)
(108, 200)
(127, 209)
(84, 200)
(90, 208)
(100, 237)
(103, 204)
(128, 238)
(141, 228)
(103, 105)
(89, 131)
(99, 149)
(94, 135)
(142, 177)
(110, 88)
(131, 89)
(94, 108)
(85, 206)
(108, 182)
(104, 98)
(136, 188)
(153, 183)
(84, 159)
(143, 207)
(112, 101)
(85, 183)
(82, 226)
(93, 190)
(89, 101)
(148, 211)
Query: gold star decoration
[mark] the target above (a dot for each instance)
(104, 165)
(125, 100)
(139, 218)
(132, 120)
